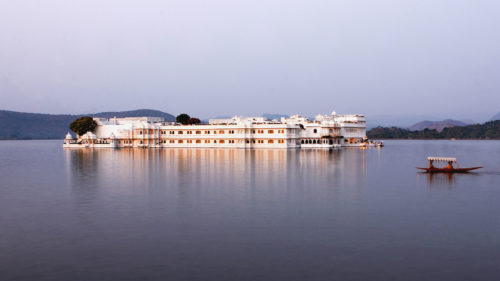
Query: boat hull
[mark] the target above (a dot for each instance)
(448, 170)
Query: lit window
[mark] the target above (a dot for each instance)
(270, 131)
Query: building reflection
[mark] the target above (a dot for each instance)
(187, 176)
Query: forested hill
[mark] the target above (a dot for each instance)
(21, 125)
(488, 130)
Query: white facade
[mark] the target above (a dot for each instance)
(326, 131)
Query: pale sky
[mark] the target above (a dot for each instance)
(207, 58)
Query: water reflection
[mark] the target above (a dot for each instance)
(444, 180)
(191, 174)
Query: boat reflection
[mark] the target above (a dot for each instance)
(444, 180)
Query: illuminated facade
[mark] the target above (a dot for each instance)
(325, 131)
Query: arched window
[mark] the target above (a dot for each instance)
(315, 131)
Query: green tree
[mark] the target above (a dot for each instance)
(82, 125)
(182, 118)
(193, 121)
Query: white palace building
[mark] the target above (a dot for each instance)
(326, 131)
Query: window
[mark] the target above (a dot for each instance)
(140, 132)
(172, 132)
(270, 131)
(207, 141)
(248, 141)
(180, 133)
(281, 131)
(189, 132)
(315, 131)
(180, 141)
(231, 131)
(215, 132)
(207, 132)
(260, 131)
(253, 131)
(270, 141)
(172, 141)
(253, 141)
(221, 141)
(198, 141)
(231, 141)
(189, 141)
(281, 141)
(198, 132)
(221, 131)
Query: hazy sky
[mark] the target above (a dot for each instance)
(208, 58)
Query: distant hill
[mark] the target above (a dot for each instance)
(495, 117)
(272, 116)
(488, 130)
(21, 125)
(436, 125)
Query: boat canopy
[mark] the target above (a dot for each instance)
(442, 159)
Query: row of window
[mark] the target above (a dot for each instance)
(308, 141)
(212, 141)
(207, 132)
(317, 141)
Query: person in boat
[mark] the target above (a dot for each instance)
(450, 165)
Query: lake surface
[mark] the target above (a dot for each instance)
(221, 214)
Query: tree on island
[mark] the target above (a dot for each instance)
(83, 125)
(193, 121)
(182, 118)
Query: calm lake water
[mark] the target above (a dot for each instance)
(220, 214)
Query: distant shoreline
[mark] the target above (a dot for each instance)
(487, 131)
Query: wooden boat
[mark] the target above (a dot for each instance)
(448, 169)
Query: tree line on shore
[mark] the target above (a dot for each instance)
(488, 130)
